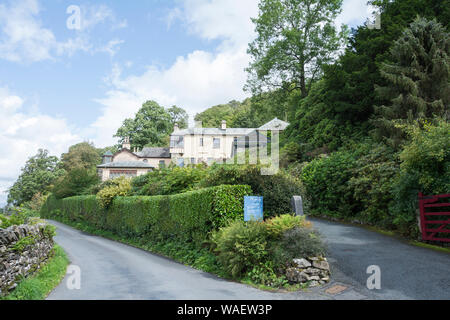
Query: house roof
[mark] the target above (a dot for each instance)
(214, 131)
(154, 153)
(275, 124)
(127, 164)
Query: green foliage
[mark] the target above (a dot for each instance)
(77, 181)
(151, 126)
(38, 175)
(168, 181)
(38, 286)
(119, 187)
(23, 243)
(294, 39)
(83, 155)
(187, 217)
(372, 181)
(425, 168)
(418, 79)
(277, 226)
(295, 243)
(18, 216)
(277, 189)
(241, 246)
(326, 185)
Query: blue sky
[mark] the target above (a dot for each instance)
(60, 86)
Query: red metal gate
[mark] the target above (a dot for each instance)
(434, 221)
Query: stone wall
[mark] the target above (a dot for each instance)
(23, 249)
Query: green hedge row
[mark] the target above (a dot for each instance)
(187, 216)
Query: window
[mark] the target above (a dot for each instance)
(201, 142)
(192, 160)
(180, 162)
(162, 164)
(216, 143)
(177, 142)
(145, 160)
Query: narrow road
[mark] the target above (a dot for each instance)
(114, 271)
(407, 271)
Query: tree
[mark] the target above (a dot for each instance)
(151, 126)
(83, 155)
(418, 79)
(294, 39)
(75, 182)
(38, 175)
(179, 116)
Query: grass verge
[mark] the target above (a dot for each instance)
(39, 285)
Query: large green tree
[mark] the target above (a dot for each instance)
(294, 39)
(340, 105)
(151, 126)
(418, 78)
(38, 175)
(83, 155)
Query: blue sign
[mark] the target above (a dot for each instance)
(253, 209)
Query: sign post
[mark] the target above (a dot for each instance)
(253, 209)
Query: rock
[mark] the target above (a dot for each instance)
(314, 278)
(323, 265)
(302, 263)
(314, 284)
(295, 275)
(312, 271)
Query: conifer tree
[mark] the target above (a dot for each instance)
(418, 77)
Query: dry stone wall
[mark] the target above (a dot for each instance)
(23, 249)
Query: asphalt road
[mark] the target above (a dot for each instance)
(407, 271)
(114, 271)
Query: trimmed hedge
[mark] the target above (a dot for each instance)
(187, 216)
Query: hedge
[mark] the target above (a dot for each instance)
(187, 216)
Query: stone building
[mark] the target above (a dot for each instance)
(187, 146)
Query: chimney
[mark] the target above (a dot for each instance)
(126, 144)
(224, 125)
(175, 127)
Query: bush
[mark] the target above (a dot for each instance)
(187, 217)
(277, 226)
(241, 246)
(169, 181)
(326, 185)
(425, 168)
(76, 182)
(117, 187)
(277, 189)
(297, 243)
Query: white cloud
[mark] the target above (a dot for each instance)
(200, 79)
(22, 133)
(354, 12)
(24, 38)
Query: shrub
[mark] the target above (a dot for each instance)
(169, 181)
(186, 217)
(277, 226)
(241, 246)
(76, 182)
(372, 182)
(326, 185)
(425, 168)
(118, 187)
(277, 189)
(297, 243)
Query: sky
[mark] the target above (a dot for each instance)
(65, 80)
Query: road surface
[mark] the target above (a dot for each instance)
(114, 271)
